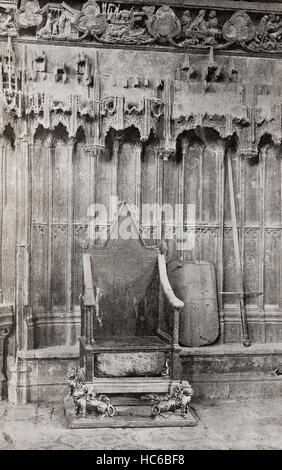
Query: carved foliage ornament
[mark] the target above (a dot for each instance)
(239, 28)
(164, 25)
(91, 21)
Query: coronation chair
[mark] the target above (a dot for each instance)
(129, 315)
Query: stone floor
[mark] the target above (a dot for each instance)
(232, 424)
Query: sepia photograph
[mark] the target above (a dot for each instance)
(140, 227)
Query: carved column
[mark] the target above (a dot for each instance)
(23, 240)
(69, 281)
(95, 151)
(49, 143)
(221, 154)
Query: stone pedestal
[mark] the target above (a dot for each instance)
(129, 415)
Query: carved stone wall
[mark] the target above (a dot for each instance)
(141, 103)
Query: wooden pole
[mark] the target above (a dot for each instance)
(239, 274)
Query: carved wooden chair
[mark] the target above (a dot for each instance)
(129, 316)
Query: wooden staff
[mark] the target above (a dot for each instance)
(239, 274)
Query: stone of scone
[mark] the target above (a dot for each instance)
(129, 364)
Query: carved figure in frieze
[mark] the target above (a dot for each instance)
(262, 29)
(28, 15)
(7, 23)
(46, 30)
(186, 21)
(200, 31)
(121, 22)
(64, 26)
(123, 26)
(199, 24)
(59, 22)
(268, 34)
(275, 37)
(277, 30)
(55, 26)
(212, 26)
(271, 23)
(262, 39)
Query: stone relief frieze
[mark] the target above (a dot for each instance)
(28, 16)
(268, 35)
(141, 25)
(58, 22)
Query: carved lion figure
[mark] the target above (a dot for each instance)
(179, 399)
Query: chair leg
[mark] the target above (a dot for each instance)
(176, 373)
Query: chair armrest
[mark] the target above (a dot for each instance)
(89, 298)
(173, 300)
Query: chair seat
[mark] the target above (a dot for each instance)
(132, 343)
